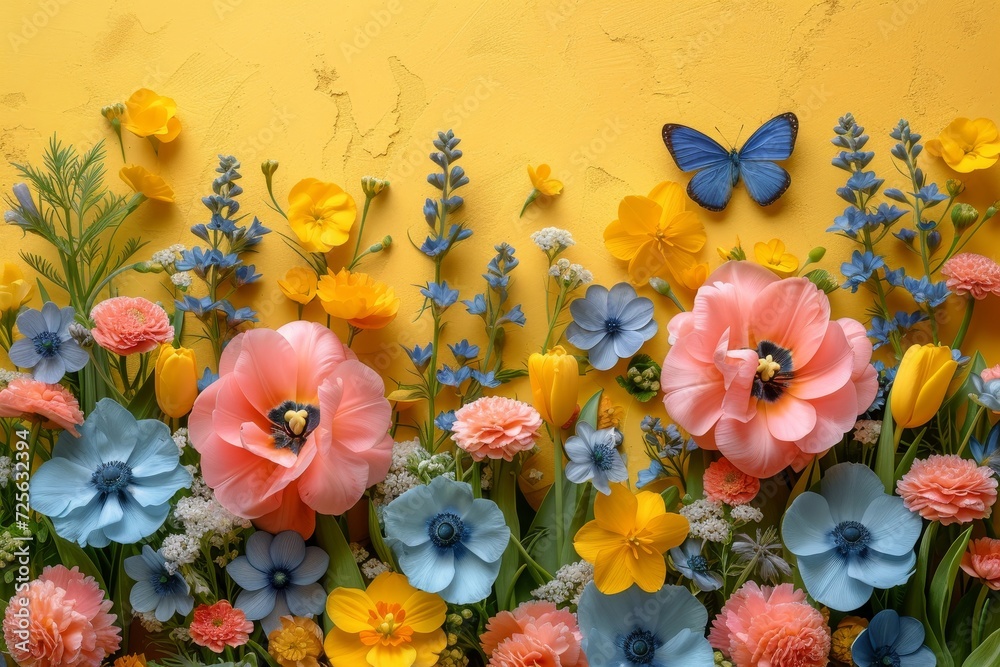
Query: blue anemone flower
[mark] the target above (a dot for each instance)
(635, 629)
(113, 483)
(156, 588)
(446, 541)
(891, 639)
(851, 537)
(593, 455)
(278, 576)
(47, 347)
(610, 324)
(688, 561)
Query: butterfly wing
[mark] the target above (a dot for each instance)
(691, 149)
(712, 187)
(765, 181)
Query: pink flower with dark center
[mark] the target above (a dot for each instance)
(129, 325)
(949, 489)
(52, 404)
(969, 273)
(496, 427)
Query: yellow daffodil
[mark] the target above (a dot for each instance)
(146, 183)
(921, 384)
(555, 382)
(15, 291)
(542, 184)
(176, 380)
(967, 145)
(627, 539)
(135, 660)
(321, 214)
(657, 236)
(772, 255)
(391, 624)
(297, 643)
(364, 302)
(150, 115)
(299, 284)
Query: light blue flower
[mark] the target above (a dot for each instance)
(650, 474)
(593, 455)
(453, 377)
(986, 453)
(156, 588)
(610, 324)
(464, 351)
(635, 628)
(440, 294)
(113, 483)
(851, 537)
(688, 561)
(891, 639)
(278, 576)
(420, 357)
(860, 269)
(446, 541)
(47, 347)
(987, 392)
(925, 291)
(445, 421)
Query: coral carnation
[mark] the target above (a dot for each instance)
(496, 427)
(771, 627)
(948, 489)
(725, 483)
(127, 325)
(982, 561)
(68, 624)
(219, 625)
(992, 373)
(536, 633)
(969, 273)
(53, 404)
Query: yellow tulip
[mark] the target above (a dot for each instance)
(150, 115)
(299, 284)
(146, 183)
(320, 214)
(555, 380)
(921, 384)
(15, 291)
(176, 380)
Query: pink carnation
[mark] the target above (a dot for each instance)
(949, 489)
(219, 625)
(53, 404)
(982, 561)
(496, 427)
(534, 634)
(61, 620)
(725, 483)
(771, 627)
(127, 325)
(992, 373)
(969, 273)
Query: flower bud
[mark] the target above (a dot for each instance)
(372, 186)
(934, 240)
(955, 187)
(661, 286)
(921, 383)
(992, 210)
(113, 112)
(964, 216)
(816, 254)
(81, 335)
(268, 167)
(555, 380)
(176, 380)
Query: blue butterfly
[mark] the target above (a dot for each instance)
(719, 170)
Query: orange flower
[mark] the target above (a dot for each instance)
(982, 561)
(219, 625)
(147, 184)
(949, 489)
(364, 302)
(725, 483)
(150, 115)
(299, 284)
(126, 325)
(52, 404)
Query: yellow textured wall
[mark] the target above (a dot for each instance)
(337, 90)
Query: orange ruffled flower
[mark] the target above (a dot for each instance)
(536, 633)
(949, 489)
(726, 483)
(297, 643)
(127, 325)
(52, 404)
(364, 302)
(150, 115)
(982, 561)
(68, 622)
(969, 273)
(496, 427)
(146, 183)
(219, 625)
(967, 145)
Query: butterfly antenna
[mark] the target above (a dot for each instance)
(739, 133)
(722, 135)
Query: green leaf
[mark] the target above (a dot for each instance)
(671, 496)
(907, 460)
(988, 653)
(915, 604)
(809, 477)
(378, 542)
(885, 457)
(143, 404)
(504, 494)
(939, 599)
(343, 570)
(588, 413)
(695, 473)
(71, 554)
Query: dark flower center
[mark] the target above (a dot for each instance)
(851, 538)
(279, 579)
(698, 564)
(166, 584)
(292, 423)
(774, 371)
(47, 344)
(639, 646)
(603, 456)
(612, 325)
(446, 530)
(884, 655)
(111, 478)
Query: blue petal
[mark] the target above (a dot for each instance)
(637, 313)
(627, 343)
(137, 522)
(74, 356)
(577, 449)
(78, 524)
(883, 629)
(23, 355)
(246, 575)
(158, 489)
(60, 486)
(451, 496)
(849, 489)
(911, 636)
(53, 317)
(687, 648)
(473, 581)
(488, 533)
(303, 600)
(143, 597)
(256, 604)
(578, 472)
(807, 525)
(312, 567)
(258, 550)
(923, 657)
(587, 314)
(118, 426)
(602, 356)
(272, 621)
(582, 338)
(894, 529)
(427, 567)
(881, 570)
(31, 323)
(49, 369)
(138, 568)
(287, 550)
(824, 576)
(158, 453)
(619, 297)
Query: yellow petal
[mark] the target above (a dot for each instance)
(344, 649)
(639, 215)
(685, 231)
(617, 512)
(670, 196)
(425, 612)
(666, 531)
(591, 540)
(429, 647)
(611, 571)
(391, 588)
(933, 146)
(621, 242)
(403, 655)
(649, 570)
(648, 506)
(349, 609)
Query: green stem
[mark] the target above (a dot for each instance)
(972, 427)
(361, 231)
(557, 488)
(527, 202)
(554, 318)
(964, 327)
(531, 562)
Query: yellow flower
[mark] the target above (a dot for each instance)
(136, 660)
(299, 284)
(14, 290)
(176, 380)
(364, 302)
(656, 235)
(608, 414)
(695, 276)
(772, 255)
(967, 145)
(921, 384)
(297, 643)
(627, 539)
(320, 214)
(150, 115)
(540, 180)
(843, 637)
(392, 624)
(143, 182)
(555, 381)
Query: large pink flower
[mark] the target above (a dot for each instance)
(128, 325)
(294, 425)
(758, 370)
(535, 633)
(53, 404)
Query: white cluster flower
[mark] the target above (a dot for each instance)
(535, 475)
(707, 520)
(168, 256)
(180, 437)
(552, 239)
(180, 635)
(148, 621)
(570, 275)
(567, 585)
(400, 478)
(436, 466)
(180, 549)
(747, 514)
(6, 376)
(867, 431)
(373, 567)
(359, 552)
(181, 279)
(6, 471)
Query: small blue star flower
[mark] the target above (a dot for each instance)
(593, 455)
(610, 324)
(688, 561)
(891, 639)
(860, 269)
(987, 453)
(47, 347)
(157, 589)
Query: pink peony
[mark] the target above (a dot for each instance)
(53, 404)
(949, 489)
(535, 633)
(496, 427)
(219, 625)
(294, 425)
(126, 325)
(969, 273)
(771, 627)
(725, 483)
(758, 370)
(60, 620)
(982, 561)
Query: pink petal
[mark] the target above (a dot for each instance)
(260, 442)
(793, 314)
(719, 311)
(353, 406)
(290, 514)
(237, 477)
(752, 448)
(227, 362)
(835, 416)
(828, 370)
(318, 352)
(679, 325)
(738, 368)
(337, 479)
(857, 337)
(693, 392)
(707, 441)
(789, 418)
(867, 388)
(750, 279)
(231, 414)
(266, 369)
(200, 421)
